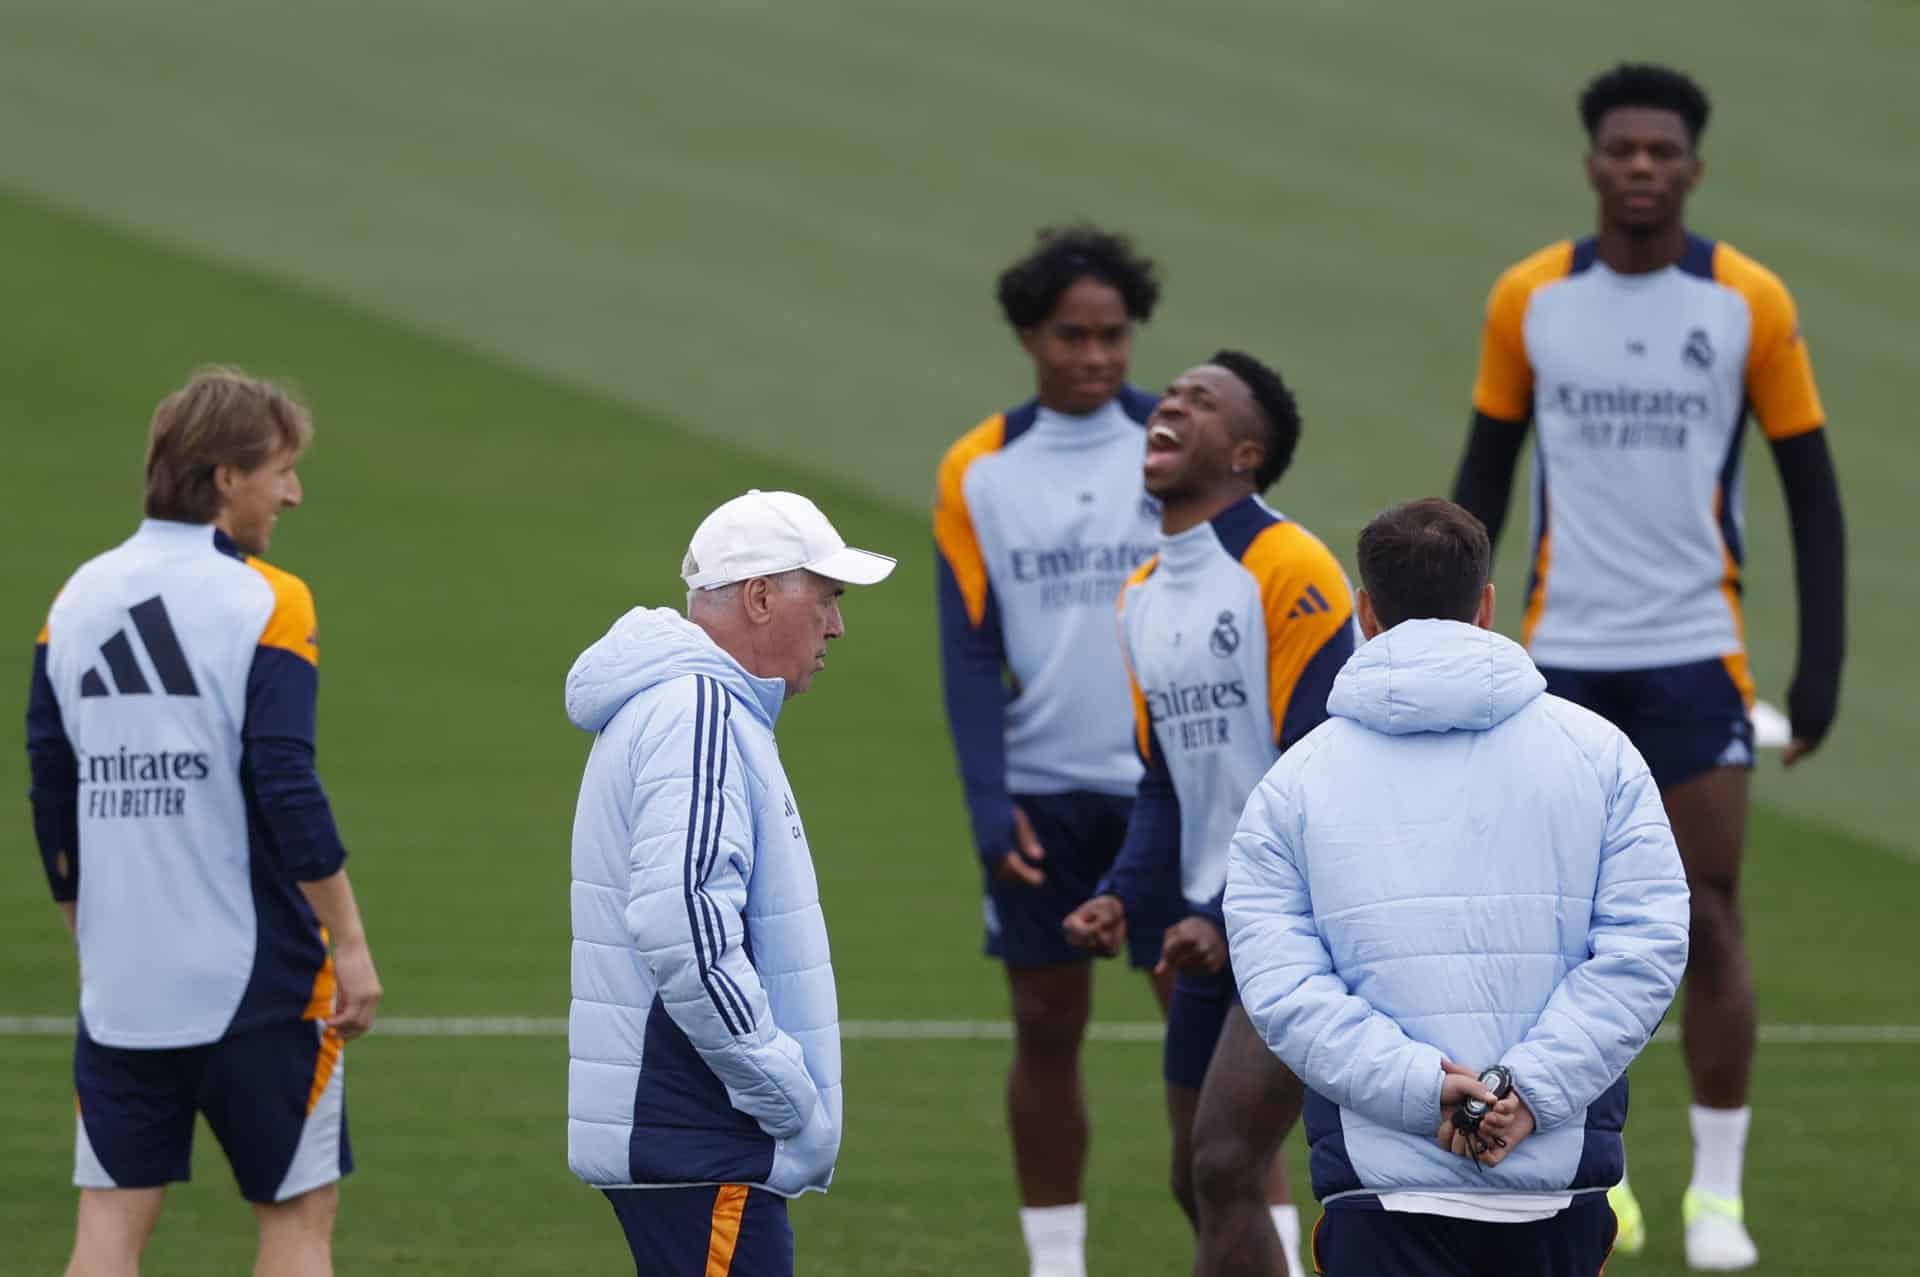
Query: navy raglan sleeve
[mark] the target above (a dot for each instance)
(55, 786)
(278, 736)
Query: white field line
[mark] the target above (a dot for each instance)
(400, 1026)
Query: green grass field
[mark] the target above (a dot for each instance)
(557, 285)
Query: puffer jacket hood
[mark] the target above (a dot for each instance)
(650, 646)
(1435, 676)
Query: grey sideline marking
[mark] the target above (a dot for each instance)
(400, 1026)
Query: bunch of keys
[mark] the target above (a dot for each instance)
(1467, 1118)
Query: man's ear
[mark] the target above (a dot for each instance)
(1483, 616)
(1369, 620)
(756, 598)
(1248, 456)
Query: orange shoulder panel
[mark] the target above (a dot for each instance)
(1305, 599)
(46, 626)
(294, 625)
(1779, 378)
(1142, 721)
(1503, 385)
(953, 533)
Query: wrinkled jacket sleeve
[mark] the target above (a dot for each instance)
(1606, 1009)
(1336, 1043)
(690, 863)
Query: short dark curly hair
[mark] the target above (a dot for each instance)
(1031, 287)
(1277, 409)
(1643, 84)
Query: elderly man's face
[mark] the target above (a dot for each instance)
(803, 614)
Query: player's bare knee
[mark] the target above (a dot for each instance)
(1048, 1027)
(307, 1219)
(112, 1227)
(1227, 1169)
(1716, 927)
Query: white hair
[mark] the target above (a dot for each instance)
(714, 596)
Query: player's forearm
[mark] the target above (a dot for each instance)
(54, 790)
(976, 718)
(334, 904)
(1484, 484)
(972, 662)
(1820, 569)
(294, 806)
(56, 822)
(1145, 872)
(71, 912)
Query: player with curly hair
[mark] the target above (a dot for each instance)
(1039, 517)
(1233, 633)
(1637, 355)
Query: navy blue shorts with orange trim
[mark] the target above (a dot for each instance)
(274, 1096)
(1360, 1239)
(1081, 833)
(1684, 719)
(706, 1230)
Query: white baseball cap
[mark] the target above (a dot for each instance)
(766, 533)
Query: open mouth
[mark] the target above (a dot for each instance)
(1163, 447)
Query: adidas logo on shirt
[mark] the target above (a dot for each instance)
(155, 631)
(1310, 603)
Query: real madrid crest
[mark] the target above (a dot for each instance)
(1225, 640)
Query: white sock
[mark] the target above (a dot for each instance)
(1286, 1222)
(1719, 1149)
(1056, 1239)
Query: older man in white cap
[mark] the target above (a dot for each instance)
(704, 1032)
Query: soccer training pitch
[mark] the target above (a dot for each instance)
(556, 285)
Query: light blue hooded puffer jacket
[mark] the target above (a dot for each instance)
(1456, 865)
(704, 1037)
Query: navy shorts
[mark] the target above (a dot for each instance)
(1082, 833)
(1684, 719)
(275, 1098)
(709, 1230)
(1363, 1240)
(1195, 1017)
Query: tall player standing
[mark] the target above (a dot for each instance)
(1038, 518)
(170, 729)
(1637, 354)
(1233, 634)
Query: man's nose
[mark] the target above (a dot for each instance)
(292, 496)
(836, 624)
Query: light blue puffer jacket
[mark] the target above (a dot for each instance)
(1456, 865)
(704, 1035)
